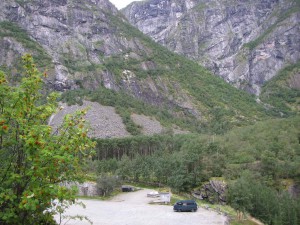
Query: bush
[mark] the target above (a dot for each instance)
(106, 184)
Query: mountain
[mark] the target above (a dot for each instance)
(245, 42)
(91, 52)
(72, 35)
(135, 86)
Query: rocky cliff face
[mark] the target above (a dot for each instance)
(157, 18)
(244, 42)
(73, 33)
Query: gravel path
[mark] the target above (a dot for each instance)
(133, 209)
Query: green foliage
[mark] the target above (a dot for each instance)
(259, 157)
(131, 127)
(263, 202)
(279, 92)
(106, 184)
(75, 65)
(239, 197)
(22, 2)
(34, 159)
(270, 148)
(181, 161)
(107, 166)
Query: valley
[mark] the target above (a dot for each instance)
(202, 97)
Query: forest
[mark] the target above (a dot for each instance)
(258, 162)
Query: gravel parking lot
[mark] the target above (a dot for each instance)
(133, 209)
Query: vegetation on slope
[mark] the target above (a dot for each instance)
(125, 105)
(283, 91)
(210, 91)
(221, 105)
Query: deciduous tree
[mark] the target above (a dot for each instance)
(34, 158)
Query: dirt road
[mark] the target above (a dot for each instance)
(133, 209)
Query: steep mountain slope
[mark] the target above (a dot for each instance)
(244, 42)
(90, 45)
(283, 91)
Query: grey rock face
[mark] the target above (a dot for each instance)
(76, 34)
(244, 42)
(156, 18)
(213, 191)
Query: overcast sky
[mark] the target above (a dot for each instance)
(122, 3)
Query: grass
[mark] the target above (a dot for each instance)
(242, 222)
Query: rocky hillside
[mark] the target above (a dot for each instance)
(89, 45)
(244, 42)
(73, 34)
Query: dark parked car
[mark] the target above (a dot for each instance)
(185, 205)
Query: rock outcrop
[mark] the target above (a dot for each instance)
(244, 42)
(213, 191)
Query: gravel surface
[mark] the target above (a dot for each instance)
(104, 121)
(133, 209)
